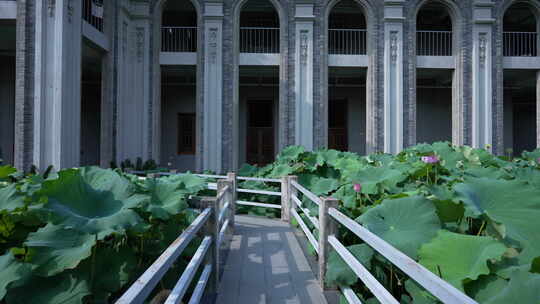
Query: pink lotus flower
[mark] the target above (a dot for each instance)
(357, 187)
(538, 160)
(431, 159)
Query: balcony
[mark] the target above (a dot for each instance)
(347, 42)
(259, 40)
(92, 12)
(179, 39)
(434, 43)
(520, 44)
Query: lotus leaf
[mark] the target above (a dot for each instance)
(374, 178)
(406, 223)
(523, 287)
(12, 271)
(10, 199)
(58, 248)
(92, 200)
(457, 257)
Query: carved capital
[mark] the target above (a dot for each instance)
(303, 46)
(212, 41)
(51, 5)
(482, 48)
(139, 35)
(393, 46)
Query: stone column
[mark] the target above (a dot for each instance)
(57, 84)
(482, 113)
(213, 91)
(393, 76)
(303, 66)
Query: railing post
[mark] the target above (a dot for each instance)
(327, 227)
(231, 176)
(287, 190)
(212, 229)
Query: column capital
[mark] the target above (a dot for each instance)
(213, 10)
(304, 11)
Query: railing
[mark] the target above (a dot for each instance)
(347, 41)
(179, 39)
(216, 218)
(433, 43)
(326, 223)
(520, 44)
(259, 40)
(92, 12)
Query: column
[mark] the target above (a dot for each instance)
(213, 91)
(393, 76)
(482, 112)
(57, 84)
(135, 120)
(303, 66)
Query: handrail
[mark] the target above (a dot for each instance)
(441, 289)
(306, 192)
(144, 285)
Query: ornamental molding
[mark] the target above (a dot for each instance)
(393, 46)
(303, 46)
(212, 43)
(139, 36)
(124, 38)
(70, 10)
(51, 5)
(482, 48)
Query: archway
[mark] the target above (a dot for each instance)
(7, 92)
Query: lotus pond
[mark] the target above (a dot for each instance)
(468, 216)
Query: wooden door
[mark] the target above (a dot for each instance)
(260, 132)
(337, 125)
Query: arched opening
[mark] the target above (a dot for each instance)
(179, 83)
(347, 40)
(434, 94)
(520, 39)
(258, 83)
(520, 31)
(7, 91)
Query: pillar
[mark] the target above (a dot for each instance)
(57, 84)
(213, 91)
(482, 110)
(303, 66)
(393, 76)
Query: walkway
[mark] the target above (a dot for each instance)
(266, 265)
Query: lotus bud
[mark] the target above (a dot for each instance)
(538, 160)
(431, 159)
(357, 187)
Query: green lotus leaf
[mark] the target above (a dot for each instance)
(523, 287)
(485, 287)
(456, 257)
(340, 273)
(373, 179)
(92, 200)
(347, 195)
(314, 161)
(282, 170)
(529, 175)
(419, 295)
(65, 288)
(58, 248)
(10, 199)
(6, 171)
(291, 154)
(248, 170)
(168, 195)
(331, 157)
(511, 203)
(324, 186)
(405, 223)
(12, 271)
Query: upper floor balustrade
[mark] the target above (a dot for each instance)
(347, 41)
(520, 44)
(434, 43)
(179, 39)
(92, 12)
(259, 40)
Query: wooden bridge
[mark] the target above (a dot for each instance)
(254, 260)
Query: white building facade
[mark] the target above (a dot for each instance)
(212, 84)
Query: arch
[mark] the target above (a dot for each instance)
(459, 115)
(372, 125)
(156, 10)
(283, 87)
(506, 4)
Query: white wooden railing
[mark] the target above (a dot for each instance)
(327, 224)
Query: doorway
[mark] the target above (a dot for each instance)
(260, 132)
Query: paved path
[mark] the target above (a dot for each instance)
(266, 265)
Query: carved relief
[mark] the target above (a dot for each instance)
(140, 43)
(212, 43)
(124, 38)
(482, 47)
(51, 5)
(70, 10)
(303, 46)
(393, 46)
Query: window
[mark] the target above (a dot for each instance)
(186, 133)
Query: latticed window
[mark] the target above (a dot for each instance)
(186, 133)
